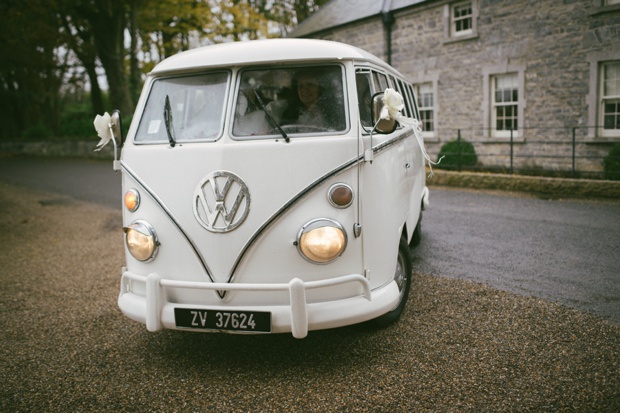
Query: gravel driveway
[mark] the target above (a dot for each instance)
(460, 346)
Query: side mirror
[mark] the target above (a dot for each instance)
(384, 126)
(117, 126)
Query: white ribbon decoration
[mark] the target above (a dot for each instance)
(103, 126)
(393, 104)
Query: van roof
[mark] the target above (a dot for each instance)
(261, 52)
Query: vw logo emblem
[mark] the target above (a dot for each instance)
(221, 201)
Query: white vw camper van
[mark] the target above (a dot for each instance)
(265, 192)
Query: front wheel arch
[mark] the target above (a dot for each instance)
(404, 271)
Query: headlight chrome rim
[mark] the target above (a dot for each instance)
(337, 248)
(149, 245)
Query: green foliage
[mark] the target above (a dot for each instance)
(46, 47)
(611, 163)
(38, 131)
(457, 154)
(76, 119)
(77, 125)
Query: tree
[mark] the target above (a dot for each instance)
(165, 26)
(43, 40)
(108, 22)
(79, 39)
(31, 70)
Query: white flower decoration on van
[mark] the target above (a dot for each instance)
(103, 126)
(394, 103)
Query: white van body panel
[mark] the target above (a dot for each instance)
(257, 266)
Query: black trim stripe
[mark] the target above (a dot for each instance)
(352, 162)
(300, 195)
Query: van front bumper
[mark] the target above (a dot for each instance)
(298, 317)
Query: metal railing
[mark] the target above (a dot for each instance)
(541, 151)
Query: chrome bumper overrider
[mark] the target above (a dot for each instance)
(153, 310)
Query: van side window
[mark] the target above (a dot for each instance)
(381, 82)
(408, 99)
(414, 101)
(364, 97)
(398, 85)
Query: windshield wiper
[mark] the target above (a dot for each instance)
(168, 121)
(270, 118)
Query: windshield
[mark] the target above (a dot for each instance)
(297, 100)
(194, 112)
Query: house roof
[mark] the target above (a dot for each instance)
(339, 12)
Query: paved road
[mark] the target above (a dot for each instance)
(559, 250)
(459, 346)
(86, 180)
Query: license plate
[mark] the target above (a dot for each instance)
(246, 321)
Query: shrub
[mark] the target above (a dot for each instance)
(80, 127)
(452, 160)
(37, 131)
(611, 163)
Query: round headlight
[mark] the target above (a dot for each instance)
(340, 195)
(321, 241)
(141, 240)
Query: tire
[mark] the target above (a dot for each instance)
(416, 237)
(402, 276)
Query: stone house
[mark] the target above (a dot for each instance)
(538, 79)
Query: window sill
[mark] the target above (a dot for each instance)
(603, 139)
(457, 39)
(604, 9)
(504, 140)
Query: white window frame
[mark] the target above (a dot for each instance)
(603, 98)
(450, 22)
(604, 6)
(505, 103)
(431, 108)
(489, 75)
(455, 20)
(595, 96)
(433, 79)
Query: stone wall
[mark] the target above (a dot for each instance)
(61, 149)
(552, 44)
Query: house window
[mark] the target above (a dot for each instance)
(462, 19)
(610, 98)
(603, 98)
(426, 106)
(505, 104)
(504, 101)
(610, 2)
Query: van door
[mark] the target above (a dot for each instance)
(386, 183)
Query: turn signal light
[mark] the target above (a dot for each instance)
(340, 195)
(131, 200)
